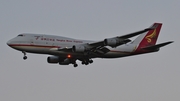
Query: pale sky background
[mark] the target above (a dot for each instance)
(150, 77)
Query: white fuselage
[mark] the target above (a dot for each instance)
(43, 44)
(66, 51)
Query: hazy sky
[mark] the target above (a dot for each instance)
(150, 77)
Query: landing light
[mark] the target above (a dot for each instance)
(69, 56)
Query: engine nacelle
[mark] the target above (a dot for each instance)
(78, 48)
(113, 42)
(53, 59)
(56, 59)
(65, 62)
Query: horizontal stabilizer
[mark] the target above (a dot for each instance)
(156, 47)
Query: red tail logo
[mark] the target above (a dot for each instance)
(150, 37)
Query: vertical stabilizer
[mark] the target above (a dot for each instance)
(149, 38)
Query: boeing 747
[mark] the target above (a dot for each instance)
(65, 51)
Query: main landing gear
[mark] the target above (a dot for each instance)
(84, 62)
(88, 61)
(24, 57)
(75, 65)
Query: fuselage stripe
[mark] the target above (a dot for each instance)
(34, 45)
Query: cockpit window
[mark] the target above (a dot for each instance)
(20, 35)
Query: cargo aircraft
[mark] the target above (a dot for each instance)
(65, 51)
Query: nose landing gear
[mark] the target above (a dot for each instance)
(24, 57)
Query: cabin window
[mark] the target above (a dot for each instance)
(20, 35)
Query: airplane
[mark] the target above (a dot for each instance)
(65, 51)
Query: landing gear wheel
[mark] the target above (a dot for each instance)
(25, 57)
(75, 65)
(86, 63)
(90, 61)
(83, 62)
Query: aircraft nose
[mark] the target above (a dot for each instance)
(9, 43)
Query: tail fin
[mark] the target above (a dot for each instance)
(149, 38)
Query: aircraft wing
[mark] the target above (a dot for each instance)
(98, 47)
(121, 39)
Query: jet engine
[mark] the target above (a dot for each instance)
(53, 59)
(113, 42)
(56, 59)
(78, 48)
(65, 62)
